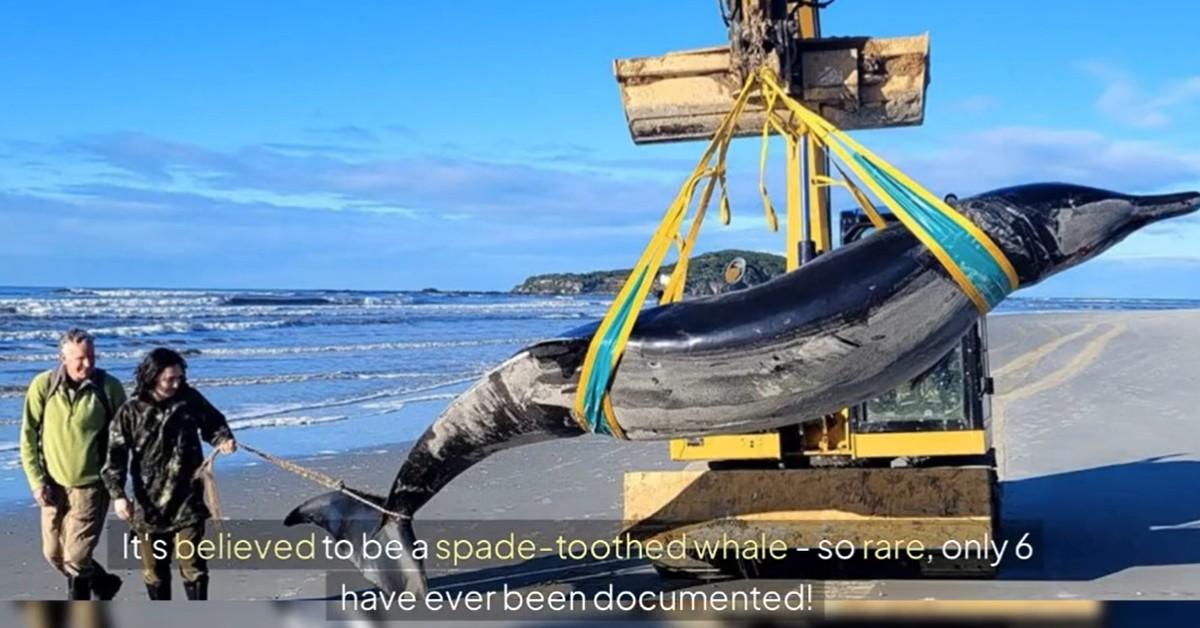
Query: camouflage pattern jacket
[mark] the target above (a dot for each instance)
(159, 444)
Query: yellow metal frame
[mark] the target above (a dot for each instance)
(812, 199)
(804, 506)
(808, 220)
(730, 447)
(800, 505)
(767, 446)
(816, 193)
(942, 443)
(818, 161)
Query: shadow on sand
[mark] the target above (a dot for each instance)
(1084, 525)
(1103, 520)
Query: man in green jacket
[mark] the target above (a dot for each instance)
(64, 436)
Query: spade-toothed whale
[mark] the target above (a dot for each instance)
(844, 328)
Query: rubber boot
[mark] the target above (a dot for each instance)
(197, 590)
(104, 584)
(160, 591)
(79, 588)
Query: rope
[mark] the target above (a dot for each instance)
(205, 474)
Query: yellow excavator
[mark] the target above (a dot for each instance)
(915, 465)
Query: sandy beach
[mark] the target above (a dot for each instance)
(1095, 424)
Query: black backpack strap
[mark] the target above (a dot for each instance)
(98, 379)
(100, 389)
(55, 378)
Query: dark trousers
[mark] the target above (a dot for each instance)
(180, 546)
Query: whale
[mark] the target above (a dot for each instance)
(848, 326)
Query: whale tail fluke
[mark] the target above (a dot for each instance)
(347, 519)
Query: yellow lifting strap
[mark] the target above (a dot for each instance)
(592, 407)
(968, 254)
(859, 196)
(975, 263)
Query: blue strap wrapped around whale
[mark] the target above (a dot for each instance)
(979, 266)
(597, 384)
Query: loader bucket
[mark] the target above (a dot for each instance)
(854, 82)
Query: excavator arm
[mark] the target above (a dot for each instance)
(854, 82)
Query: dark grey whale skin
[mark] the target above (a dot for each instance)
(851, 325)
(848, 326)
(855, 323)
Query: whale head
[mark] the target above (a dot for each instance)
(1045, 228)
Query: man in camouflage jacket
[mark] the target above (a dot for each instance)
(156, 436)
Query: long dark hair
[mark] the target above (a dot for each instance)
(145, 376)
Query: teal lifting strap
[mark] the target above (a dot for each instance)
(980, 267)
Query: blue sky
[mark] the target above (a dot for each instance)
(466, 146)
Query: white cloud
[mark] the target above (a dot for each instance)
(259, 204)
(454, 185)
(1007, 156)
(1124, 99)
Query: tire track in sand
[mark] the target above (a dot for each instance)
(1030, 359)
(1084, 358)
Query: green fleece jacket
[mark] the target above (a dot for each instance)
(64, 436)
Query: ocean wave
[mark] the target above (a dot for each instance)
(392, 405)
(475, 308)
(12, 391)
(384, 399)
(116, 308)
(297, 378)
(283, 421)
(275, 351)
(44, 321)
(154, 329)
(278, 409)
(124, 293)
(132, 311)
(283, 300)
(357, 348)
(9, 446)
(150, 303)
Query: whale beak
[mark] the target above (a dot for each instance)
(1164, 206)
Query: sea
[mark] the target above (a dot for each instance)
(311, 373)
